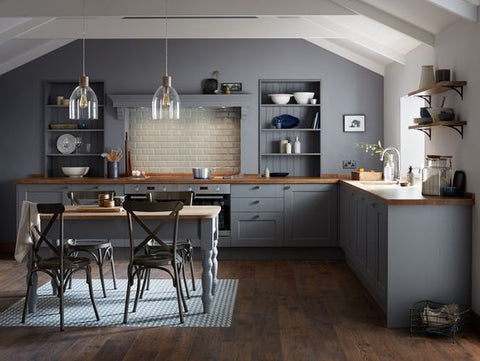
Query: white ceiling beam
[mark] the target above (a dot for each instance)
(23, 28)
(464, 9)
(360, 39)
(349, 55)
(376, 14)
(32, 54)
(57, 8)
(118, 28)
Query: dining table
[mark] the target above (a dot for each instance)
(199, 223)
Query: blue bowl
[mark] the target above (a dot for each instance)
(285, 121)
(451, 191)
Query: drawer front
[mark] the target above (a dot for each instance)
(259, 204)
(257, 190)
(257, 229)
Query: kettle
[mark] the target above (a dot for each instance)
(459, 181)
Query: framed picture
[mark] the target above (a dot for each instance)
(354, 123)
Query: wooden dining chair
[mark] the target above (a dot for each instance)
(99, 249)
(185, 246)
(58, 265)
(169, 261)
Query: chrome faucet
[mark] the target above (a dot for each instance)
(396, 170)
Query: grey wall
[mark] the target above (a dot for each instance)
(136, 66)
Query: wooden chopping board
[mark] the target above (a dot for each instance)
(93, 209)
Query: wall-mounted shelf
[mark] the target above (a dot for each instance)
(427, 128)
(437, 88)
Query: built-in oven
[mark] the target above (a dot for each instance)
(204, 194)
(218, 195)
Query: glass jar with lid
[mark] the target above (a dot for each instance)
(437, 174)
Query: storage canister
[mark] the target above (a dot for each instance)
(437, 174)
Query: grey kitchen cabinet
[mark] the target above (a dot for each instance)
(405, 253)
(56, 193)
(308, 161)
(257, 215)
(310, 215)
(57, 124)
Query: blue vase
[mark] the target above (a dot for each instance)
(285, 121)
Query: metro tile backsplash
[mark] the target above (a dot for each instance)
(203, 137)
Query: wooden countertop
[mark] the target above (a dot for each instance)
(387, 193)
(180, 180)
(393, 194)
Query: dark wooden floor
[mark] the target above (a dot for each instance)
(284, 311)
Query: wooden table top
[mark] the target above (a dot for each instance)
(192, 212)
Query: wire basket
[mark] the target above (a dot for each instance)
(438, 318)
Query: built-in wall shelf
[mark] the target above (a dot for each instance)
(89, 131)
(427, 128)
(307, 163)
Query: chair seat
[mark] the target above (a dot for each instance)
(68, 263)
(153, 260)
(90, 244)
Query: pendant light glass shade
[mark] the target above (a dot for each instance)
(83, 101)
(166, 102)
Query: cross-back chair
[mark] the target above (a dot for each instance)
(58, 265)
(185, 246)
(140, 262)
(99, 249)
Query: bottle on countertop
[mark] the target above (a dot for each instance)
(288, 148)
(267, 172)
(387, 172)
(410, 177)
(296, 145)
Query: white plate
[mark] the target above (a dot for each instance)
(66, 143)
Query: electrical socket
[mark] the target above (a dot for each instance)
(349, 164)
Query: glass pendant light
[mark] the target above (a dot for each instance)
(83, 101)
(166, 102)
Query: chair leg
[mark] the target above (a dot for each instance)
(100, 270)
(178, 288)
(90, 289)
(189, 258)
(127, 298)
(112, 265)
(185, 280)
(140, 275)
(146, 281)
(27, 296)
(62, 297)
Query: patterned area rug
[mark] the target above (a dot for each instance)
(158, 308)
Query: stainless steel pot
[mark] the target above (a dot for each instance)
(201, 173)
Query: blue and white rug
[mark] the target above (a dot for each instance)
(158, 308)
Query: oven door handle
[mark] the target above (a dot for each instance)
(208, 197)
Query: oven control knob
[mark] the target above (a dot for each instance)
(164, 189)
(190, 189)
(217, 189)
(136, 188)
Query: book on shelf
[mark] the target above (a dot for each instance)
(316, 122)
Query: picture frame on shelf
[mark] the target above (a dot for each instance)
(354, 123)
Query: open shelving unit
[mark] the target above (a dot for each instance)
(89, 131)
(426, 94)
(308, 162)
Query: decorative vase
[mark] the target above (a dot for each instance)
(112, 170)
(427, 78)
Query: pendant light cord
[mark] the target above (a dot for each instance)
(166, 39)
(83, 41)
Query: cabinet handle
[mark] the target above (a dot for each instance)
(287, 187)
(256, 201)
(94, 187)
(256, 187)
(256, 216)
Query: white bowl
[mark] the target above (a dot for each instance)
(75, 172)
(303, 97)
(280, 98)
